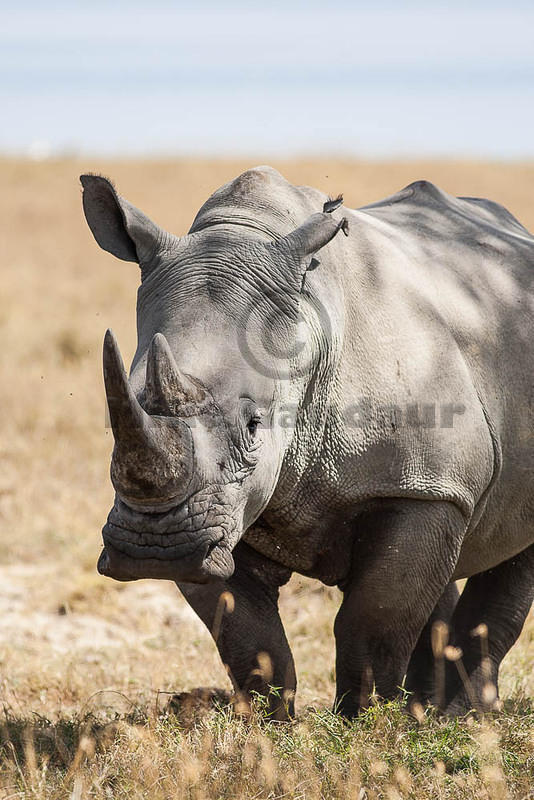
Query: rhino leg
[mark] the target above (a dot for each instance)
(247, 629)
(423, 672)
(404, 557)
(487, 621)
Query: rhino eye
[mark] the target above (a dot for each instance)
(252, 424)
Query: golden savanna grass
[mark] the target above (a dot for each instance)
(87, 664)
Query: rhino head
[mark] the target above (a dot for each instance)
(196, 456)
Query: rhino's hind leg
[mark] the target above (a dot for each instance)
(242, 616)
(424, 679)
(486, 623)
(405, 556)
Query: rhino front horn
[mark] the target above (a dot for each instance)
(126, 415)
(152, 460)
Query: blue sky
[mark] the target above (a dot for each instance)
(365, 79)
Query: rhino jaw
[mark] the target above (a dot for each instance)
(114, 564)
(166, 546)
(217, 565)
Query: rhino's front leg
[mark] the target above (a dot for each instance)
(404, 556)
(248, 630)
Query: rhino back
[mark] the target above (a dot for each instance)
(431, 307)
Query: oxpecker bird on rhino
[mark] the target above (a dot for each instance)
(345, 394)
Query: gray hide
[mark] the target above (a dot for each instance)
(355, 408)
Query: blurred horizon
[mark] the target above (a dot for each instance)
(297, 78)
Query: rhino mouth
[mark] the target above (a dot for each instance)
(174, 545)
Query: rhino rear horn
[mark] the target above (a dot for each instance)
(168, 390)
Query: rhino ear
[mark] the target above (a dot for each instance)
(311, 236)
(117, 225)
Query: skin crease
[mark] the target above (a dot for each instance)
(425, 305)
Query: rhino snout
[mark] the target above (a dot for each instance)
(178, 545)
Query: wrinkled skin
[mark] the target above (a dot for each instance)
(393, 381)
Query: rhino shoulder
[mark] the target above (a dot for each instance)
(421, 198)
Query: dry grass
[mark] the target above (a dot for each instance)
(85, 661)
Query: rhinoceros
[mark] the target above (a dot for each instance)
(355, 408)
